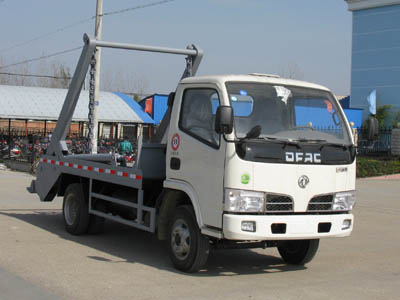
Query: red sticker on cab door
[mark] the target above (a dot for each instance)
(175, 142)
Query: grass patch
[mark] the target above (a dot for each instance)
(377, 166)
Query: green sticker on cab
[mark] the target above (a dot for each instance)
(245, 178)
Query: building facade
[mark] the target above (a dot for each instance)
(34, 111)
(375, 53)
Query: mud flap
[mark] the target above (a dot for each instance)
(32, 188)
(46, 182)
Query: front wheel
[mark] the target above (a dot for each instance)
(298, 252)
(188, 248)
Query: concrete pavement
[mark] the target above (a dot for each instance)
(124, 263)
(13, 287)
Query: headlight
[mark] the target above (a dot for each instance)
(344, 201)
(244, 201)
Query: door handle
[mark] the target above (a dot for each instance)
(175, 163)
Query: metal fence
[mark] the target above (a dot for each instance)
(18, 132)
(20, 147)
(27, 149)
(381, 145)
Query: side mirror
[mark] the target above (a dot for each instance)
(224, 120)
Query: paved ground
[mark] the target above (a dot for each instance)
(13, 287)
(393, 176)
(38, 259)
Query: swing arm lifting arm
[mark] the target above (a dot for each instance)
(57, 145)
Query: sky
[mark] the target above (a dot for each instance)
(237, 36)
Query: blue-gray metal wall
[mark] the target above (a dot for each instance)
(376, 57)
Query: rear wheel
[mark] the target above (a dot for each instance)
(298, 252)
(188, 248)
(75, 210)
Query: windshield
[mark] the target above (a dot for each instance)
(287, 112)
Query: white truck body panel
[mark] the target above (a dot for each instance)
(220, 80)
(283, 178)
(299, 227)
(202, 167)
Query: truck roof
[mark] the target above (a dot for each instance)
(255, 77)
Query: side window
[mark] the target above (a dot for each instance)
(198, 115)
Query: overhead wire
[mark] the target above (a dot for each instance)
(115, 12)
(61, 29)
(41, 57)
(35, 75)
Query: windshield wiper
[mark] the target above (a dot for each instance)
(275, 140)
(304, 140)
(323, 143)
(285, 142)
(253, 133)
(343, 146)
(271, 138)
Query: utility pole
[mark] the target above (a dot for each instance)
(98, 29)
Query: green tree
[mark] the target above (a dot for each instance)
(396, 120)
(136, 97)
(64, 76)
(382, 114)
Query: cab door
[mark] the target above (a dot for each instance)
(196, 153)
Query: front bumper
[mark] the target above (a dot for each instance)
(296, 226)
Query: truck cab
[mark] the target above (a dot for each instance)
(293, 180)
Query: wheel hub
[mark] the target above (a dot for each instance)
(70, 209)
(180, 240)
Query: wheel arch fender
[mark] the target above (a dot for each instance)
(66, 179)
(187, 189)
(175, 193)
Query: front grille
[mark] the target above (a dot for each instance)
(278, 203)
(321, 203)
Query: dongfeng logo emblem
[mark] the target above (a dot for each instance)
(303, 181)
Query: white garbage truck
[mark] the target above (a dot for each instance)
(239, 161)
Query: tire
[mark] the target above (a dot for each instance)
(96, 223)
(298, 252)
(75, 210)
(188, 248)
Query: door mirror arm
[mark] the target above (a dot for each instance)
(230, 141)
